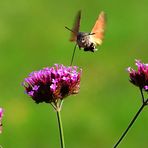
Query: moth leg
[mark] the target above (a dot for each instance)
(80, 47)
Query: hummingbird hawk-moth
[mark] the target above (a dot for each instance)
(88, 41)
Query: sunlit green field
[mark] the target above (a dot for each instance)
(32, 36)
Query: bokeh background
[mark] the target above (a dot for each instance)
(32, 36)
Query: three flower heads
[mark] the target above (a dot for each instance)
(53, 84)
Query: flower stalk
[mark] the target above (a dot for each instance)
(60, 128)
(131, 123)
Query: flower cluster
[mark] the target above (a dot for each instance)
(53, 83)
(139, 77)
(1, 115)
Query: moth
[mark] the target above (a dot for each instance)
(88, 40)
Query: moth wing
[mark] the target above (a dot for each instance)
(98, 29)
(76, 27)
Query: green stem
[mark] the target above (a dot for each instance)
(142, 95)
(60, 129)
(131, 123)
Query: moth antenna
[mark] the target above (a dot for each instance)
(73, 54)
(69, 29)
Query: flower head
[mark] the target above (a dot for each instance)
(139, 77)
(1, 115)
(53, 83)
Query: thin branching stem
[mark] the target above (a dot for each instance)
(142, 95)
(132, 122)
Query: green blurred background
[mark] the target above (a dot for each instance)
(32, 36)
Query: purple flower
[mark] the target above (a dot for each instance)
(139, 77)
(1, 115)
(53, 83)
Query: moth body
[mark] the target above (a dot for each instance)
(84, 40)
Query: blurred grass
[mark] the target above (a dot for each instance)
(32, 36)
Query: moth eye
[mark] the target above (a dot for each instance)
(82, 40)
